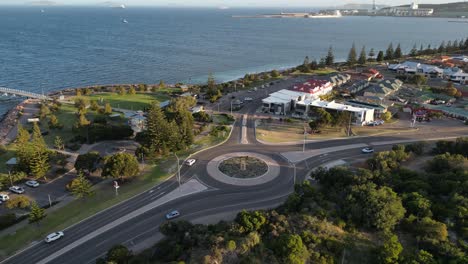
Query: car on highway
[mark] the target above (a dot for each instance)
(32, 184)
(190, 162)
(54, 236)
(172, 214)
(4, 197)
(16, 189)
(367, 150)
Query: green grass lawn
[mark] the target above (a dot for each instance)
(323, 71)
(131, 102)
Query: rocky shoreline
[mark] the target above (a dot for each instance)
(10, 119)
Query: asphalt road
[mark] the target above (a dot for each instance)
(217, 199)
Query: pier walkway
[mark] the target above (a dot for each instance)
(9, 91)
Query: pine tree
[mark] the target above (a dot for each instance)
(82, 121)
(398, 53)
(23, 136)
(421, 50)
(37, 213)
(372, 53)
(380, 56)
(414, 51)
(352, 60)
(142, 87)
(466, 44)
(39, 162)
(362, 57)
(78, 92)
(54, 122)
(58, 143)
(330, 59)
(132, 91)
(455, 45)
(157, 127)
(107, 109)
(441, 48)
(161, 84)
(121, 90)
(448, 47)
(81, 187)
(389, 53)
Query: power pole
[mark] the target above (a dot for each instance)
(178, 168)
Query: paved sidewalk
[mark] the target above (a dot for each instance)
(298, 156)
(188, 188)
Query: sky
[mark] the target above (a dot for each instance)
(227, 3)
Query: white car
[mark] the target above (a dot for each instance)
(54, 236)
(367, 150)
(248, 99)
(16, 189)
(172, 214)
(190, 162)
(4, 197)
(32, 184)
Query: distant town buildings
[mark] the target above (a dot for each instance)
(411, 10)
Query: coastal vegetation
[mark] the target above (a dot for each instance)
(379, 213)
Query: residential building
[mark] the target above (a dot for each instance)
(338, 79)
(383, 88)
(314, 88)
(283, 101)
(410, 67)
(411, 10)
(459, 77)
(378, 108)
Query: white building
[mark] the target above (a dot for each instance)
(411, 10)
(410, 67)
(361, 115)
(459, 77)
(283, 101)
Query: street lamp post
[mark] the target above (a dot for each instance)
(9, 176)
(294, 178)
(231, 107)
(178, 168)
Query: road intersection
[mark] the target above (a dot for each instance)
(82, 244)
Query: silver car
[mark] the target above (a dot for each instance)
(172, 214)
(54, 236)
(32, 184)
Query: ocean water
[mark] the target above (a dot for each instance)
(66, 47)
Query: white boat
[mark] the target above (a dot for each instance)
(337, 13)
(123, 6)
(124, 21)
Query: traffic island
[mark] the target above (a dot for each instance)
(243, 169)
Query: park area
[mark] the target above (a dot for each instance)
(134, 102)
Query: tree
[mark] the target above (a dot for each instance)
(78, 92)
(39, 161)
(441, 48)
(352, 57)
(58, 143)
(414, 51)
(363, 57)
(386, 116)
(88, 162)
(380, 56)
(372, 53)
(132, 91)
(120, 165)
(391, 249)
(305, 67)
(156, 130)
(23, 136)
(383, 208)
(82, 121)
(44, 111)
(80, 187)
(121, 90)
(118, 254)
(417, 204)
(107, 109)
(142, 87)
(19, 201)
(330, 58)
(94, 105)
(275, 74)
(37, 213)
(291, 249)
(54, 122)
(161, 84)
(398, 53)
(389, 53)
(250, 221)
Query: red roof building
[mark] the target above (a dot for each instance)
(314, 87)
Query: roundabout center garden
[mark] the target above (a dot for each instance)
(243, 167)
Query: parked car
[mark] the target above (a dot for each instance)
(172, 214)
(16, 189)
(32, 184)
(4, 197)
(248, 99)
(54, 236)
(367, 150)
(190, 162)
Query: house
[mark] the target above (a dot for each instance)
(459, 77)
(338, 79)
(314, 88)
(383, 88)
(283, 101)
(451, 71)
(197, 109)
(137, 122)
(410, 67)
(357, 86)
(378, 108)
(410, 10)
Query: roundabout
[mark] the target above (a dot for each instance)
(243, 169)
